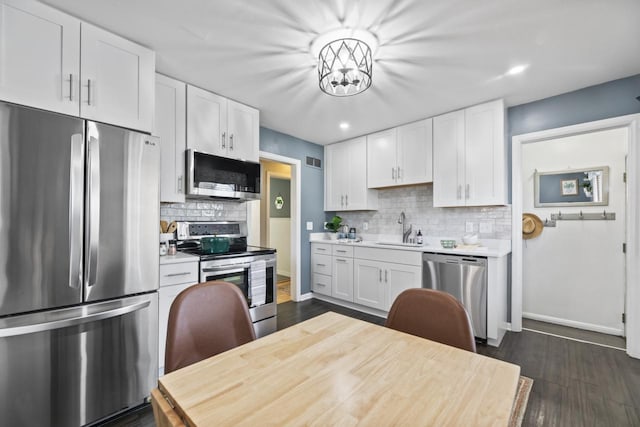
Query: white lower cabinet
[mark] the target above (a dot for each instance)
(370, 277)
(377, 284)
(342, 278)
(369, 285)
(174, 278)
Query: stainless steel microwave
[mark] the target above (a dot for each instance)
(216, 177)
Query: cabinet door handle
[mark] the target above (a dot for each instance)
(459, 193)
(180, 184)
(466, 193)
(386, 276)
(398, 174)
(88, 91)
(346, 200)
(231, 142)
(186, 273)
(224, 137)
(380, 273)
(70, 87)
(393, 173)
(342, 200)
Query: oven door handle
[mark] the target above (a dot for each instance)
(229, 269)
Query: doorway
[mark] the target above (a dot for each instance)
(274, 220)
(631, 257)
(573, 273)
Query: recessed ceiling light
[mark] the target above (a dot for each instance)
(344, 125)
(516, 70)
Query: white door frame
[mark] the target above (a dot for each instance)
(632, 123)
(296, 179)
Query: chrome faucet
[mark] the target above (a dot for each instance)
(405, 232)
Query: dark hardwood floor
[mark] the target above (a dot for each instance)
(575, 383)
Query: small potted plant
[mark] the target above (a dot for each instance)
(334, 225)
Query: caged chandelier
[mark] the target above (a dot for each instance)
(344, 67)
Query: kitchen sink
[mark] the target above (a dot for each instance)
(410, 245)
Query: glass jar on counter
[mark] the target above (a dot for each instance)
(172, 250)
(163, 248)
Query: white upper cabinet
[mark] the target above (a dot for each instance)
(39, 56)
(217, 125)
(206, 121)
(400, 156)
(243, 126)
(381, 158)
(117, 80)
(469, 152)
(170, 126)
(345, 176)
(53, 61)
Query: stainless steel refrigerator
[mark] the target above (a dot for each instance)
(79, 212)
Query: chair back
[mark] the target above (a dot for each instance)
(204, 320)
(434, 315)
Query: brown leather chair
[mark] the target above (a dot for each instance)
(434, 315)
(204, 320)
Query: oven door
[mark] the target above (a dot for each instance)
(238, 274)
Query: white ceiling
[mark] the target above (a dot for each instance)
(434, 56)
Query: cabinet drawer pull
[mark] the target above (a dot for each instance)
(321, 265)
(321, 249)
(321, 284)
(185, 273)
(341, 251)
(341, 260)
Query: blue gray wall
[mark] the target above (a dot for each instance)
(312, 186)
(603, 101)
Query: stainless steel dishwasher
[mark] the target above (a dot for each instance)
(464, 277)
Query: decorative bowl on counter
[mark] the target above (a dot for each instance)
(470, 239)
(448, 244)
(214, 245)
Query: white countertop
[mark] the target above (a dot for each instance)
(178, 258)
(488, 247)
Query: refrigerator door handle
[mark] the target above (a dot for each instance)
(93, 178)
(78, 318)
(76, 199)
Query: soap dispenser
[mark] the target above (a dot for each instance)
(419, 239)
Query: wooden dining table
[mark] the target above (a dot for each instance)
(336, 370)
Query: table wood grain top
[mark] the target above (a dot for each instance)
(336, 370)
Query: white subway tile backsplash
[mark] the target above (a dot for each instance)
(417, 204)
(203, 211)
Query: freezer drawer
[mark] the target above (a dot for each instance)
(465, 278)
(72, 366)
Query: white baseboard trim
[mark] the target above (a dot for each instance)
(305, 297)
(357, 307)
(573, 324)
(284, 273)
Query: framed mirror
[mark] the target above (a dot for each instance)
(572, 187)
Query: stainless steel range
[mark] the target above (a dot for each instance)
(250, 268)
